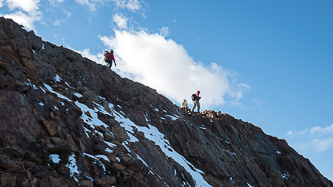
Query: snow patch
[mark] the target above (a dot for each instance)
(55, 158)
(96, 159)
(202, 127)
(284, 175)
(226, 141)
(78, 95)
(249, 185)
(153, 134)
(110, 144)
(68, 85)
(32, 85)
(49, 88)
(229, 152)
(92, 121)
(109, 150)
(103, 157)
(73, 166)
(57, 78)
(173, 117)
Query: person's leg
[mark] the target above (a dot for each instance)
(198, 106)
(194, 105)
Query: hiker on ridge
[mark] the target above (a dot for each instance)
(108, 57)
(184, 104)
(195, 99)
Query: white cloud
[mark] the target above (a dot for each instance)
(24, 19)
(29, 6)
(25, 12)
(167, 67)
(164, 31)
(120, 20)
(132, 5)
(315, 139)
(1, 3)
(87, 3)
(86, 53)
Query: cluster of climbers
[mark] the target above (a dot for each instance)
(109, 57)
(195, 98)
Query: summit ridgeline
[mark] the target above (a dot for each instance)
(68, 121)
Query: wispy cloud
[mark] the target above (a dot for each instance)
(58, 22)
(120, 20)
(53, 2)
(132, 5)
(167, 67)
(314, 139)
(87, 3)
(164, 31)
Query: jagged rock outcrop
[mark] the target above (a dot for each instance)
(67, 121)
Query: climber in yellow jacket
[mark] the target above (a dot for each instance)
(184, 104)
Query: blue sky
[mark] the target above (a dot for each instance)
(268, 63)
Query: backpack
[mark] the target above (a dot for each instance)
(193, 97)
(107, 56)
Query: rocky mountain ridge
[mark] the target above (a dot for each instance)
(67, 121)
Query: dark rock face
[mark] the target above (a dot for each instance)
(67, 121)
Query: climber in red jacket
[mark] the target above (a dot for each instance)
(195, 99)
(108, 57)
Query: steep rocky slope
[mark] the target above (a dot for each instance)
(67, 121)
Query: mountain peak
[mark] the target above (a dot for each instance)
(68, 121)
